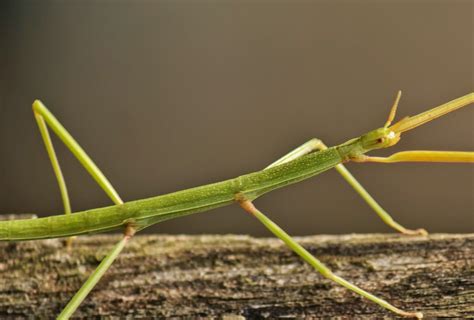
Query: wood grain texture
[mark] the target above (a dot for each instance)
(237, 277)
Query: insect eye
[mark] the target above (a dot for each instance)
(380, 140)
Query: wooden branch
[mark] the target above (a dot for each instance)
(237, 277)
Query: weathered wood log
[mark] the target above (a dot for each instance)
(240, 277)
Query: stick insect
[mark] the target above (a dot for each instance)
(308, 160)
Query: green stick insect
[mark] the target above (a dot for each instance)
(310, 159)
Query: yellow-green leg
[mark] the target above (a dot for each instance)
(55, 163)
(104, 265)
(422, 156)
(314, 145)
(318, 265)
(45, 118)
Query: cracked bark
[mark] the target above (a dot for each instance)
(236, 277)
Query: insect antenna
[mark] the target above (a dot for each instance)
(393, 110)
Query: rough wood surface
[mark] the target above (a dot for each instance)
(237, 277)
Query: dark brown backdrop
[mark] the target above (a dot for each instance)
(168, 95)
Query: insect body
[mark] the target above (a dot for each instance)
(306, 161)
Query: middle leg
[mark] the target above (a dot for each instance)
(318, 265)
(315, 145)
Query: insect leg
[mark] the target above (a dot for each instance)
(54, 160)
(422, 156)
(318, 265)
(307, 147)
(104, 265)
(44, 116)
(315, 145)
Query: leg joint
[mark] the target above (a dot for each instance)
(129, 230)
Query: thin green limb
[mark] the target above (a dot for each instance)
(93, 279)
(307, 147)
(374, 205)
(44, 117)
(54, 162)
(423, 156)
(316, 144)
(318, 265)
(40, 109)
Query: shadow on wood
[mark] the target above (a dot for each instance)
(237, 277)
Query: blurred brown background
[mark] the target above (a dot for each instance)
(167, 95)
